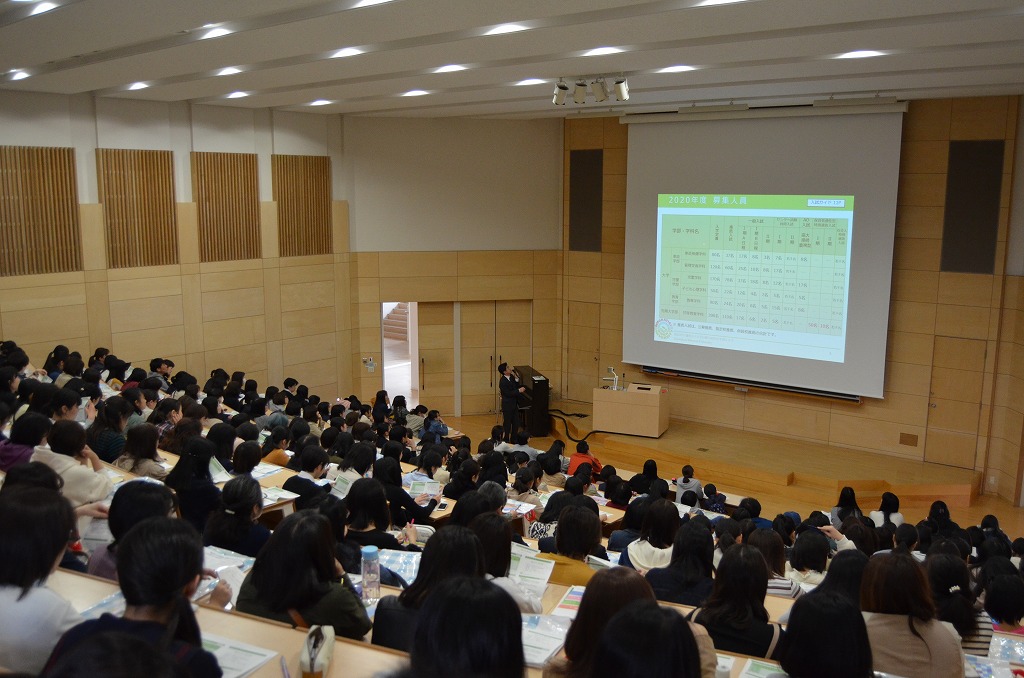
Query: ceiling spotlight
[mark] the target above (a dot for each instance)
(320, 102)
(600, 89)
(43, 7)
(215, 33)
(230, 70)
(506, 28)
(415, 93)
(238, 95)
(530, 81)
(676, 69)
(18, 75)
(859, 54)
(370, 3)
(621, 89)
(346, 52)
(561, 92)
(579, 93)
(138, 85)
(452, 68)
(601, 51)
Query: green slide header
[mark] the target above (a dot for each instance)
(842, 203)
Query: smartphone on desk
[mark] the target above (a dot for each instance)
(442, 506)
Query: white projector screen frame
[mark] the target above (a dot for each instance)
(853, 155)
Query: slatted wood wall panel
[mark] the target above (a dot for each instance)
(40, 231)
(137, 192)
(225, 187)
(302, 190)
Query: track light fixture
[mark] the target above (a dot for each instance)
(561, 92)
(598, 86)
(621, 89)
(579, 93)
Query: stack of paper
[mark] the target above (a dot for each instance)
(419, 487)
(406, 564)
(543, 637)
(236, 659)
(530, 572)
(569, 605)
(263, 469)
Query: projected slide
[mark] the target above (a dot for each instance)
(759, 273)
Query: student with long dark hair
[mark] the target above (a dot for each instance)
(140, 455)
(35, 525)
(296, 579)
(547, 521)
(369, 518)
(495, 535)
(888, 512)
(826, 636)
(641, 482)
(644, 640)
(403, 507)
(165, 415)
(950, 584)
(769, 543)
(687, 579)
(734, 614)
(577, 536)
(486, 623)
(133, 502)
(608, 592)
(464, 480)
(845, 507)
(222, 435)
(809, 558)
(453, 551)
(159, 565)
(234, 525)
(906, 638)
(654, 547)
(190, 478)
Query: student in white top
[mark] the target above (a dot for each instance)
(888, 511)
(654, 547)
(35, 524)
(68, 455)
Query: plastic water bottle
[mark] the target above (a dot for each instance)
(371, 575)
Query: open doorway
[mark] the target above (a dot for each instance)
(399, 335)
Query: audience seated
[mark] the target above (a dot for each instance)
(133, 502)
(453, 551)
(297, 580)
(826, 636)
(234, 525)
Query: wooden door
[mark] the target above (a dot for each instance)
(436, 334)
(954, 403)
(479, 377)
(513, 333)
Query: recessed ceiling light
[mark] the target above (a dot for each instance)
(415, 93)
(859, 54)
(601, 51)
(451, 68)
(370, 3)
(506, 28)
(346, 52)
(18, 75)
(215, 33)
(238, 95)
(676, 69)
(43, 7)
(138, 85)
(712, 3)
(320, 102)
(531, 81)
(230, 70)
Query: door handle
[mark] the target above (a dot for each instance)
(423, 381)
(491, 362)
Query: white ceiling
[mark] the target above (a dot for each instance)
(759, 52)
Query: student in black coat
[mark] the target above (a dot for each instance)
(313, 461)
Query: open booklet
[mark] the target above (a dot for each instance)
(236, 659)
(529, 571)
(543, 637)
(418, 487)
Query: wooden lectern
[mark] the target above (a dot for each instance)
(640, 410)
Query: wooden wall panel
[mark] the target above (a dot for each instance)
(40, 229)
(302, 191)
(136, 189)
(225, 188)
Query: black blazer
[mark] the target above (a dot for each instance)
(306, 489)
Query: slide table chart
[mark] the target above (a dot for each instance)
(777, 272)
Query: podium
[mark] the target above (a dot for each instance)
(640, 410)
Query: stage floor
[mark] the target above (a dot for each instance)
(784, 474)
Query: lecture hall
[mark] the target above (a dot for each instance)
(460, 338)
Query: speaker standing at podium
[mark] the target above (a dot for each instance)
(510, 390)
